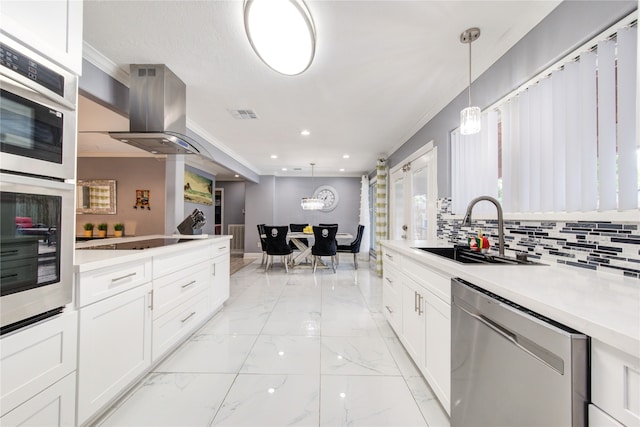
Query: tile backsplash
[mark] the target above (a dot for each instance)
(607, 246)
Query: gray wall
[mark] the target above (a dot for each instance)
(233, 208)
(276, 201)
(131, 174)
(571, 24)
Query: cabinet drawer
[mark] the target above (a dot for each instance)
(392, 308)
(391, 280)
(53, 407)
(220, 248)
(435, 282)
(168, 263)
(177, 324)
(173, 289)
(390, 257)
(99, 284)
(615, 383)
(36, 357)
(598, 418)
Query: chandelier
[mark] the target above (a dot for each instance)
(311, 203)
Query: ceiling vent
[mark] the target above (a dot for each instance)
(243, 114)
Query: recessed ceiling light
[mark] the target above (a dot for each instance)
(284, 169)
(345, 156)
(305, 132)
(341, 169)
(274, 156)
(236, 176)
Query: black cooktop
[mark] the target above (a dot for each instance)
(140, 244)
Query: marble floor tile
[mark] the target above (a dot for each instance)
(367, 401)
(402, 358)
(283, 355)
(210, 353)
(271, 400)
(172, 399)
(356, 356)
(238, 322)
(428, 403)
(293, 323)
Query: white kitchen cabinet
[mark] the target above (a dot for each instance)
(413, 320)
(392, 297)
(52, 407)
(598, 418)
(51, 27)
(114, 347)
(220, 273)
(615, 383)
(173, 289)
(416, 302)
(33, 359)
(437, 367)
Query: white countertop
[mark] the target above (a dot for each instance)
(602, 305)
(85, 260)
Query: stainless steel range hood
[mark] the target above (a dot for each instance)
(158, 112)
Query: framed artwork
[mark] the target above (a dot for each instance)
(96, 196)
(197, 188)
(142, 199)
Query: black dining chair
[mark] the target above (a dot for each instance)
(324, 245)
(298, 228)
(263, 243)
(353, 247)
(276, 239)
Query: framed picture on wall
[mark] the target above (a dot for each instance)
(197, 188)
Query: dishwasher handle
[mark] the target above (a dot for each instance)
(534, 350)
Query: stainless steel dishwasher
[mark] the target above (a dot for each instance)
(513, 367)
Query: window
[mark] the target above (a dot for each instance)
(565, 142)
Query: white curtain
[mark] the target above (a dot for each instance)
(475, 165)
(566, 144)
(364, 218)
(381, 210)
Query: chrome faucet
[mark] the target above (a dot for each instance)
(467, 218)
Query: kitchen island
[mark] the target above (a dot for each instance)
(138, 298)
(606, 307)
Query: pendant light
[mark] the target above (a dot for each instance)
(311, 203)
(470, 116)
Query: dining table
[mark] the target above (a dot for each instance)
(305, 250)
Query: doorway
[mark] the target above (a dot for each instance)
(413, 196)
(218, 203)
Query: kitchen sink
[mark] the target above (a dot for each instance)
(464, 255)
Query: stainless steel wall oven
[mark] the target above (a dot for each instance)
(37, 114)
(38, 124)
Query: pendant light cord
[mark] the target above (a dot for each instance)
(470, 41)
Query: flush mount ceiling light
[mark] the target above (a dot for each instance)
(282, 34)
(311, 203)
(470, 116)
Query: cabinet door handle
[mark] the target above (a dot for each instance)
(11, 252)
(420, 310)
(389, 281)
(188, 284)
(415, 301)
(389, 309)
(214, 269)
(193, 313)
(151, 299)
(117, 279)
(222, 248)
(389, 256)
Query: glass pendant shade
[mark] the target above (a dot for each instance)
(470, 121)
(311, 204)
(282, 34)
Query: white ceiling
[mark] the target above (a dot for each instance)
(382, 70)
